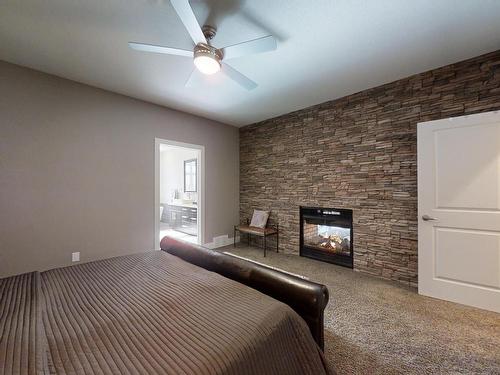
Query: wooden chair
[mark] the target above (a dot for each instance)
(259, 232)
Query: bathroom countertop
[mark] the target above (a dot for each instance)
(186, 205)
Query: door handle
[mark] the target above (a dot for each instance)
(428, 218)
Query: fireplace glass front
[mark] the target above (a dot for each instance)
(328, 238)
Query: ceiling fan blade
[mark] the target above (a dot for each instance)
(264, 44)
(185, 13)
(160, 49)
(238, 77)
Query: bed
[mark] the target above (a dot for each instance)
(161, 312)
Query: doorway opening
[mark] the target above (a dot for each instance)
(179, 191)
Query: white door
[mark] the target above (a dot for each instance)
(459, 210)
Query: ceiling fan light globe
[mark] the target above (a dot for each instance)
(206, 64)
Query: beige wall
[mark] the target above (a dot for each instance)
(77, 171)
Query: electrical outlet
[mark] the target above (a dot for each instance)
(75, 257)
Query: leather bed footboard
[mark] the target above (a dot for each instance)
(307, 298)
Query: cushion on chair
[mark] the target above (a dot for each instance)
(257, 231)
(259, 218)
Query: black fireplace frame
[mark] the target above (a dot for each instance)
(327, 214)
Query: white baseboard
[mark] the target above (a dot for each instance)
(221, 241)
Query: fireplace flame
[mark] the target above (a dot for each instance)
(334, 243)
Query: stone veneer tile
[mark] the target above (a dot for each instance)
(360, 152)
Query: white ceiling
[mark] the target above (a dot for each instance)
(326, 48)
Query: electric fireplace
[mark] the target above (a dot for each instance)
(326, 234)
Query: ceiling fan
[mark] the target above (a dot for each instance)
(207, 58)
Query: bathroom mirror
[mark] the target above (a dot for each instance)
(190, 175)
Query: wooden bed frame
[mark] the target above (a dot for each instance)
(307, 298)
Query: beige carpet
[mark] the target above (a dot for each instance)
(374, 326)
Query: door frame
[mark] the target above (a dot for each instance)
(200, 181)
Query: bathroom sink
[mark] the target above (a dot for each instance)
(184, 202)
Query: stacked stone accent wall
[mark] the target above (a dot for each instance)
(360, 152)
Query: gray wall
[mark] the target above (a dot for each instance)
(77, 171)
